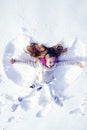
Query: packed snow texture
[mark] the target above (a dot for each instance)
(45, 22)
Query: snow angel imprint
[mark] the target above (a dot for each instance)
(45, 60)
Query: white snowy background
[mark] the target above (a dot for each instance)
(47, 22)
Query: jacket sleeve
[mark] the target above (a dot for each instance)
(26, 61)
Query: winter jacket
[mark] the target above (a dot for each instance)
(43, 74)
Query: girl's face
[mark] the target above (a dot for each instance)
(50, 61)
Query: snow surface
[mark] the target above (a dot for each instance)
(47, 22)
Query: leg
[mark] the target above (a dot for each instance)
(54, 97)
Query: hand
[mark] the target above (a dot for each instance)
(80, 64)
(12, 61)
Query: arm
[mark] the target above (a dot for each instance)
(70, 62)
(25, 61)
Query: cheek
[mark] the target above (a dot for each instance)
(49, 63)
(46, 62)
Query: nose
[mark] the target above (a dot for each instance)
(51, 64)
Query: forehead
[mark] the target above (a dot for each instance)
(49, 57)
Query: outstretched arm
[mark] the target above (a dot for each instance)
(25, 61)
(70, 62)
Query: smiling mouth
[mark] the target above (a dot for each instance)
(50, 66)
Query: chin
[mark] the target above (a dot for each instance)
(50, 66)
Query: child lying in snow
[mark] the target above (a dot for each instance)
(46, 62)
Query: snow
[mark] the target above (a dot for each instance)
(47, 22)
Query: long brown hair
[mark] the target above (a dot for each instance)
(35, 50)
